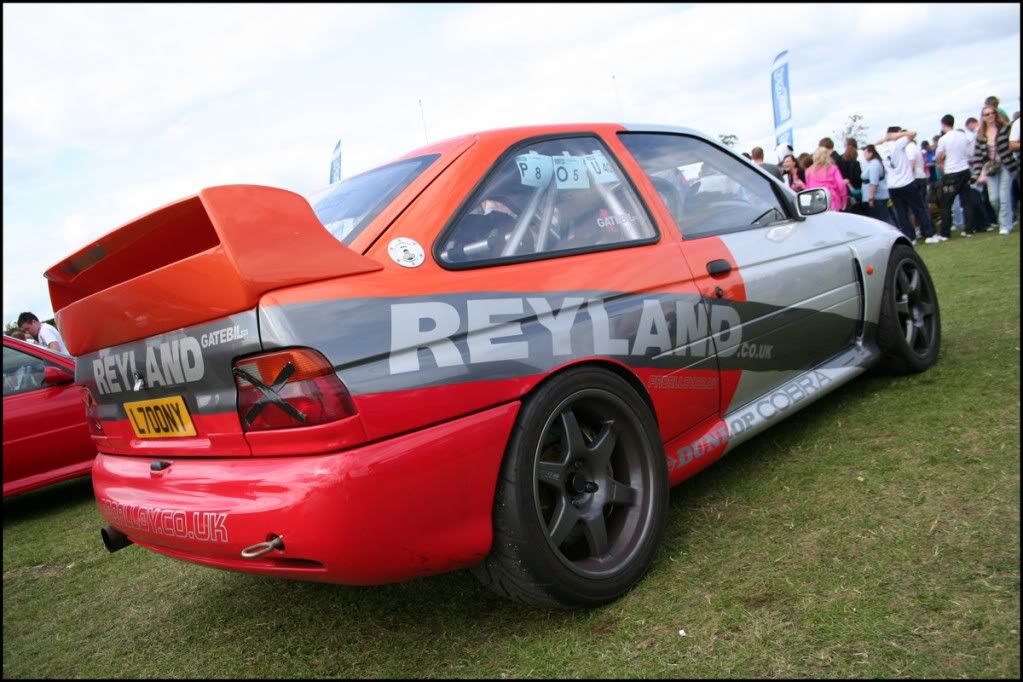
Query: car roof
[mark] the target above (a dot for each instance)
(523, 132)
(39, 351)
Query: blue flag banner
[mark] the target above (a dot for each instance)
(335, 163)
(781, 100)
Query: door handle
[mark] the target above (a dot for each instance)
(719, 267)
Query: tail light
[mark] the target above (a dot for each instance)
(289, 388)
(92, 412)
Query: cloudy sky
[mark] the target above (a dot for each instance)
(110, 111)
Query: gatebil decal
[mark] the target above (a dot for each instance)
(199, 526)
(223, 335)
(391, 344)
(194, 362)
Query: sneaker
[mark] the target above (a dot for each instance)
(1003, 232)
(935, 239)
(967, 234)
(914, 242)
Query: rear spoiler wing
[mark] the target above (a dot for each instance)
(194, 260)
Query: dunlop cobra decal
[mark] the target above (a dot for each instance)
(691, 453)
(796, 393)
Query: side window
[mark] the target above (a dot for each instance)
(22, 372)
(552, 196)
(706, 190)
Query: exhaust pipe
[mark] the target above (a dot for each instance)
(114, 539)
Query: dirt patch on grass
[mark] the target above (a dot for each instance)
(761, 599)
(604, 626)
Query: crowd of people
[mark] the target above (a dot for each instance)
(965, 179)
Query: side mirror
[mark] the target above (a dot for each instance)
(813, 201)
(56, 377)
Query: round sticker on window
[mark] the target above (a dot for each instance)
(406, 252)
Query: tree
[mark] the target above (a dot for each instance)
(728, 139)
(855, 129)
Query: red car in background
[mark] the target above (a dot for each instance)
(46, 436)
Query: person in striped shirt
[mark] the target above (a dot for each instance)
(993, 164)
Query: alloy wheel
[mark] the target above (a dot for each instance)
(914, 307)
(592, 481)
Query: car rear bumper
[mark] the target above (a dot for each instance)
(412, 505)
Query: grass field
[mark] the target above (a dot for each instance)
(874, 534)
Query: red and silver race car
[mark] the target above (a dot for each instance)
(497, 352)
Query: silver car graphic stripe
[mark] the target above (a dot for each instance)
(393, 344)
(799, 345)
(194, 362)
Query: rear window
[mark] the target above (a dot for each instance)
(345, 208)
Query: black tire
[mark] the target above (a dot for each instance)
(580, 510)
(909, 325)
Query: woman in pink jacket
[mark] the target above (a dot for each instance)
(824, 173)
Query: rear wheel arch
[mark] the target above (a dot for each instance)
(621, 370)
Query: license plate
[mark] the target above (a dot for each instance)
(160, 418)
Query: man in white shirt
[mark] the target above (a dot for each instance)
(46, 334)
(916, 158)
(953, 161)
(905, 196)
